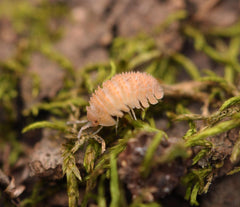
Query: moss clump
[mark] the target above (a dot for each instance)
(219, 96)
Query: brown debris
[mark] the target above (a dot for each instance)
(94, 26)
(215, 12)
(162, 179)
(9, 187)
(50, 77)
(133, 17)
(219, 156)
(223, 193)
(190, 89)
(88, 32)
(7, 39)
(46, 159)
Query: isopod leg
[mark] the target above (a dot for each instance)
(89, 124)
(98, 130)
(130, 114)
(101, 141)
(117, 124)
(133, 113)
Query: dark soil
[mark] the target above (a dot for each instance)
(45, 44)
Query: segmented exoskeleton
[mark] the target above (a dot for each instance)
(122, 93)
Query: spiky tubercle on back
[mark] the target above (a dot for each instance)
(123, 92)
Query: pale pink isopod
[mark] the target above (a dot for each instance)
(122, 93)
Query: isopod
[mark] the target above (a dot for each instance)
(122, 93)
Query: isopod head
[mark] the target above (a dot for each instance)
(96, 118)
(122, 93)
(91, 116)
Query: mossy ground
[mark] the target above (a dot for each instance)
(187, 82)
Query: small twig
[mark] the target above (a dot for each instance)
(191, 89)
(9, 188)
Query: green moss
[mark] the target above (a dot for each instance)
(150, 152)
(195, 181)
(139, 52)
(60, 126)
(114, 184)
(230, 31)
(188, 65)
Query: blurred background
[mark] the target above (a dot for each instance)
(54, 53)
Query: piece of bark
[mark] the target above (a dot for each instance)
(8, 39)
(9, 187)
(162, 179)
(50, 76)
(215, 13)
(46, 159)
(223, 193)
